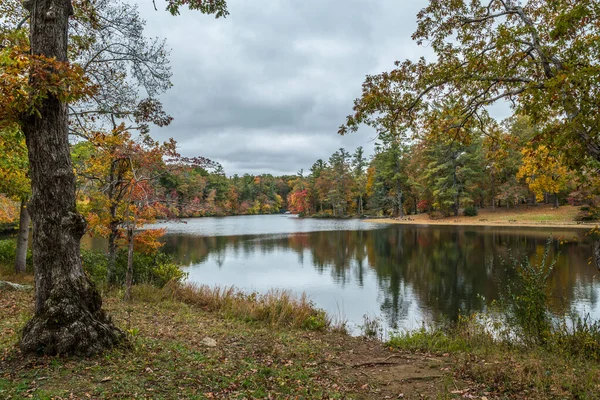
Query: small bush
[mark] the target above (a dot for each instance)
(424, 206)
(95, 263)
(8, 250)
(580, 338)
(328, 214)
(470, 211)
(588, 214)
(436, 215)
(316, 322)
(8, 253)
(156, 269)
(525, 303)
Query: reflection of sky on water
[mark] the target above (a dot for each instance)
(260, 225)
(343, 298)
(587, 299)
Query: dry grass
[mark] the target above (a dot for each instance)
(506, 369)
(532, 216)
(276, 308)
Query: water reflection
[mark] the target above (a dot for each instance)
(405, 274)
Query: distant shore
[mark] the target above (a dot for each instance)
(542, 216)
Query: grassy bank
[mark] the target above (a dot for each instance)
(198, 343)
(503, 369)
(528, 216)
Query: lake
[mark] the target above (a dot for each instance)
(403, 274)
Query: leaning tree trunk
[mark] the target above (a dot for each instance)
(22, 239)
(68, 315)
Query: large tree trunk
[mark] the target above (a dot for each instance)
(22, 239)
(68, 315)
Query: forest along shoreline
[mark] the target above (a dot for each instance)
(541, 216)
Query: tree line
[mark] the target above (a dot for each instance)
(439, 175)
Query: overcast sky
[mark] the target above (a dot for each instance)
(265, 90)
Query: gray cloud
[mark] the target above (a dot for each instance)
(266, 89)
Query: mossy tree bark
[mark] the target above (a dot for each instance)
(68, 309)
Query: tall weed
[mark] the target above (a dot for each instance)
(525, 303)
(277, 307)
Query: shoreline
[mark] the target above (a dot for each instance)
(542, 216)
(491, 224)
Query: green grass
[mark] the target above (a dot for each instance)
(543, 217)
(169, 359)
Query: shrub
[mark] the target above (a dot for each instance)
(525, 304)
(424, 206)
(588, 213)
(8, 253)
(526, 301)
(316, 322)
(95, 263)
(8, 250)
(436, 215)
(324, 215)
(156, 268)
(580, 337)
(470, 211)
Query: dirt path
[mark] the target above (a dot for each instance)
(383, 374)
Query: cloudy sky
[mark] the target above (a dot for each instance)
(265, 90)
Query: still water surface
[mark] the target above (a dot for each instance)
(403, 274)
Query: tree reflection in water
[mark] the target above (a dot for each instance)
(447, 270)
